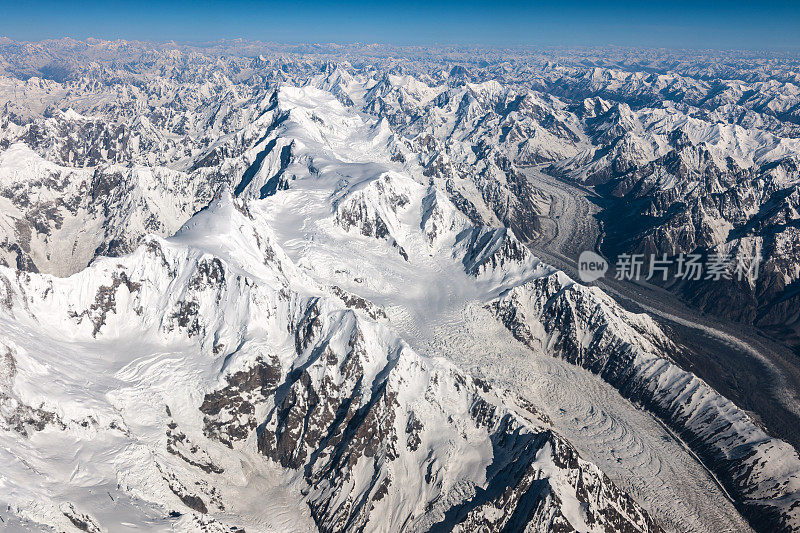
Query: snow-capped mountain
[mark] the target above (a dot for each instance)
(278, 289)
(677, 184)
(226, 356)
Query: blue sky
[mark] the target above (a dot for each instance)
(709, 24)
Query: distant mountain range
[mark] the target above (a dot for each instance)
(288, 288)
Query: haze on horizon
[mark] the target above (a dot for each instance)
(680, 24)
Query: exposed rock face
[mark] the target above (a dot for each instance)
(377, 436)
(688, 162)
(230, 412)
(678, 185)
(287, 388)
(373, 211)
(15, 414)
(629, 351)
(362, 445)
(81, 521)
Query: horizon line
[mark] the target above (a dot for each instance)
(207, 43)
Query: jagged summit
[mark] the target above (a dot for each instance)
(266, 366)
(294, 288)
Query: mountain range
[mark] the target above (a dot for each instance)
(247, 286)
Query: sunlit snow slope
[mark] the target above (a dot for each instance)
(332, 344)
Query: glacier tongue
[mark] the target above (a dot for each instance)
(455, 265)
(204, 355)
(335, 342)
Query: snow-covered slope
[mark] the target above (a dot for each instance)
(293, 292)
(213, 361)
(589, 329)
(385, 211)
(679, 184)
